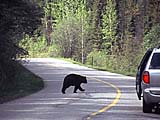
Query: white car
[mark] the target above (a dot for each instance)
(148, 80)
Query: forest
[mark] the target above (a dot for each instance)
(110, 34)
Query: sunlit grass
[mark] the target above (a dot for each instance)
(101, 68)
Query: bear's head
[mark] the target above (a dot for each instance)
(84, 79)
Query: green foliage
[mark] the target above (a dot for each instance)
(71, 33)
(96, 7)
(152, 38)
(105, 33)
(67, 37)
(113, 63)
(109, 25)
(37, 47)
(100, 59)
(16, 19)
(97, 58)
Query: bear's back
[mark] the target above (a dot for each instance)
(73, 79)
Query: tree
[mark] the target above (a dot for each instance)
(16, 19)
(48, 21)
(152, 24)
(109, 26)
(152, 38)
(72, 24)
(97, 7)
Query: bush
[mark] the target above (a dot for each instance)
(37, 47)
(152, 38)
(114, 63)
(100, 59)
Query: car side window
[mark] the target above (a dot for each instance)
(155, 61)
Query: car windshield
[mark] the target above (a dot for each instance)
(155, 62)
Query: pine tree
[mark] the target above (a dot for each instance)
(109, 26)
(16, 19)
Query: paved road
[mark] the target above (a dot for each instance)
(108, 96)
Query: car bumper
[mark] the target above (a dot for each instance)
(152, 95)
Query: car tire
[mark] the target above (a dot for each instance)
(147, 108)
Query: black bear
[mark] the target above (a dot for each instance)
(73, 80)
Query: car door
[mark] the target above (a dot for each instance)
(141, 68)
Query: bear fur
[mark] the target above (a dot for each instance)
(73, 80)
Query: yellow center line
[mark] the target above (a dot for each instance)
(114, 102)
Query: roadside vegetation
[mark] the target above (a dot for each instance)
(107, 34)
(24, 83)
(17, 19)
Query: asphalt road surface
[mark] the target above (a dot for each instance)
(108, 96)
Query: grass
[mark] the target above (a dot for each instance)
(26, 83)
(101, 68)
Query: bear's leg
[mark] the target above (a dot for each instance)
(81, 89)
(75, 89)
(64, 88)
